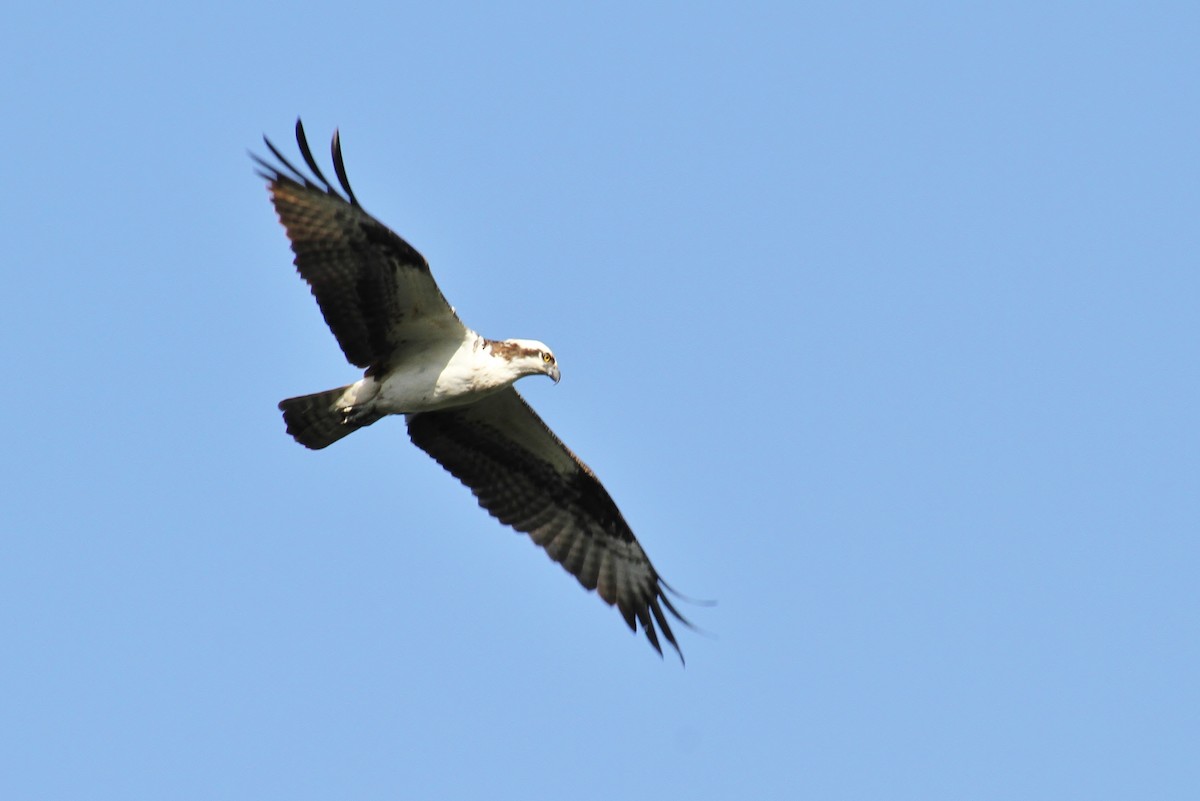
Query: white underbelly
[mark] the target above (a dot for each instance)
(425, 390)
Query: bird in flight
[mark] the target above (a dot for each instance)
(454, 388)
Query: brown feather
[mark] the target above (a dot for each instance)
(525, 477)
(374, 289)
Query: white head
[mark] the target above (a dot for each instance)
(527, 356)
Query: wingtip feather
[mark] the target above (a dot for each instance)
(306, 152)
(339, 166)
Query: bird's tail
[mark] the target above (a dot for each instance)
(317, 421)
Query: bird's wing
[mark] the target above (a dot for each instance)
(528, 479)
(374, 289)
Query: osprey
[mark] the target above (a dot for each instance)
(454, 388)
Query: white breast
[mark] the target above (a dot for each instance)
(441, 376)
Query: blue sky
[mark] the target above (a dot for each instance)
(877, 320)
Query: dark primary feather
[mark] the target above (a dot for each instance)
(528, 479)
(374, 289)
(306, 151)
(339, 167)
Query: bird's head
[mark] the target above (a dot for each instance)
(528, 356)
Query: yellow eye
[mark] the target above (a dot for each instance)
(547, 358)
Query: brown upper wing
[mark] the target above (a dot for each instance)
(528, 479)
(374, 289)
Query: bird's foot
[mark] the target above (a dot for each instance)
(354, 414)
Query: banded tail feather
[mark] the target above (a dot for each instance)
(317, 421)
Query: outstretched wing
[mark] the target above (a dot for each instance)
(374, 289)
(528, 479)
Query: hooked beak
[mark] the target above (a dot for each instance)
(553, 373)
